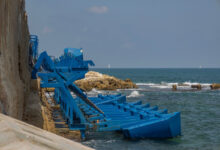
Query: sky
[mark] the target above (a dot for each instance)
(130, 33)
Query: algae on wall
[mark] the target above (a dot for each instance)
(14, 54)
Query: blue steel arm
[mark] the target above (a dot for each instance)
(69, 83)
(42, 58)
(120, 98)
(72, 103)
(46, 76)
(59, 83)
(89, 62)
(76, 77)
(79, 93)
(34, 45)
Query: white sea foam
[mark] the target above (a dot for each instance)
(148, 84)
(94, 92)
(51, 94)
(132, 89)
(168, 85)
(135, 94)
(47, 95)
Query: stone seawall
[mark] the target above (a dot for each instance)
(14, 69)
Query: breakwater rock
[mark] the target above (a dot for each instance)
(215, 86)
(103, 82)
(197, 86)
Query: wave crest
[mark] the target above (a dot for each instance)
(135, 94)
(168, 85)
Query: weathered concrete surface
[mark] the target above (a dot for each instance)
(14, 69)
(33, 112)
(103, 82)
(17, 135)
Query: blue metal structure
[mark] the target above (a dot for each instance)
(101, 113)
(34, 46)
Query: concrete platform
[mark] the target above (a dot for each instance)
(15, 134)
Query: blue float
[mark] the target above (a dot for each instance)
(104, 112)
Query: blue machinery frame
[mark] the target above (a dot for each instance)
(34, 46)
(101, 113)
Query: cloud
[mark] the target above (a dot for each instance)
(47, 30)
(98, 9)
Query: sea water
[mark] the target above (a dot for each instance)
(200, 109)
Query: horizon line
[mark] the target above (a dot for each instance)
(154, 68)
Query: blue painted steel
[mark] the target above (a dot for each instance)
(34, 46)
(44, 61)
(101, 113)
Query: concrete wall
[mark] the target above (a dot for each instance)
(17, 135)
(14, 69)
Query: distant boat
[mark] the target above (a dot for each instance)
(200, 67)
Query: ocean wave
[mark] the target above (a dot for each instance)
(131, 89)
(135, 94)
(95, 92)
(145, 84)
(168, 85)
(196, 83)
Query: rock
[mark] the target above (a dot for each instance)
(197, 86)
(174, 87)
(103, 82)
(127, 80)
(183, 84)
(215, 86)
